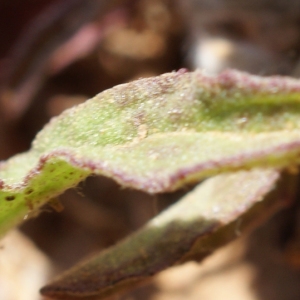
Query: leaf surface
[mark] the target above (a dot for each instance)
(156, 135)
(216, 212)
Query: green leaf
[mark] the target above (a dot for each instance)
(217, 211)
(156, 135)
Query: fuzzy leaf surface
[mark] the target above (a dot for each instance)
(156, 135)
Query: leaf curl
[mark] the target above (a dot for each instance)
(156, 135)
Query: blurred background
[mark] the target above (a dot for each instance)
(57, 53)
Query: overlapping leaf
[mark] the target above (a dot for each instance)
(157, 134)
(214, 213)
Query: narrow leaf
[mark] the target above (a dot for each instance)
(216, 212)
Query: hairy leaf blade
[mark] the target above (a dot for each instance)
(156, 135)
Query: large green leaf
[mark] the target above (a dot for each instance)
(156, 135)
(217, 211)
